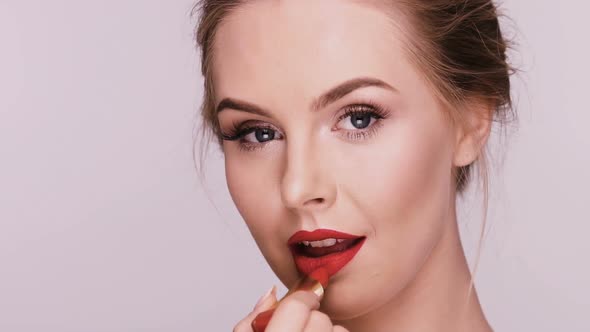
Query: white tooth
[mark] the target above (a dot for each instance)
(321, 244)
(306, 243)
(329, 242)
(316, 244)
(340, 240)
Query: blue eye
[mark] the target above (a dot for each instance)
(252, 136)
(361, 121)
(260, 135)
(354, 120)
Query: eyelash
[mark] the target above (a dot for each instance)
(364, 109)
(241, 129)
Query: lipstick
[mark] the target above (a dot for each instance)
(316, 282)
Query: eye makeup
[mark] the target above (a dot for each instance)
(255, 134)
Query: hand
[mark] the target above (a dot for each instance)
(296, 313)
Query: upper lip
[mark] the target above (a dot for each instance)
(319, 235)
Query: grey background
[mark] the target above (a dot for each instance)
(104, 225)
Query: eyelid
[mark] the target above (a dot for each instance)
(348, 112)
(249, 127)
(363, 106)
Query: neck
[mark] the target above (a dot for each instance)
(438, 299)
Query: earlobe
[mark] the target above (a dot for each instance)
(472, 133)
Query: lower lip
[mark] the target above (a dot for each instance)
(332, 262)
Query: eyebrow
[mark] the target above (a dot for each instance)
(324, 100)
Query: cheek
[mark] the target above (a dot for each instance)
(404, 197)
(416, 174)
(254, 191)
(413, 199)
(403, 176)
(250, 187)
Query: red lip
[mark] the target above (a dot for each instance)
(332, 262)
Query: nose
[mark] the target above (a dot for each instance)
(306, 184)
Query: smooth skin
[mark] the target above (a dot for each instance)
(341, 131)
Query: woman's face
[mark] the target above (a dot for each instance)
(372, 159)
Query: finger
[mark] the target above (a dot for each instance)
(265, 303)
(339, 328)
(318, 322)
(293, 312)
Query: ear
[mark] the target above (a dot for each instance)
(472, 132)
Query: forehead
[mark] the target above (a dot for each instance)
(300, 48)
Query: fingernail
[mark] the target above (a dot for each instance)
(265, 296)
(312, 285)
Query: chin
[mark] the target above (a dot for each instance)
(342, 304)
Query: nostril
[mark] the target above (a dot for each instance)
(315, 201)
